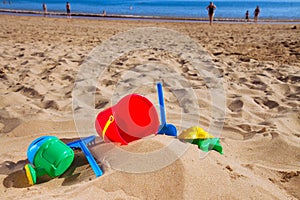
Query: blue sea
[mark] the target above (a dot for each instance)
(270, 9)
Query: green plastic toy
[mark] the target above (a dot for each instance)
(50, 156)
(209, 144)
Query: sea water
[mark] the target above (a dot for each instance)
(270, 9)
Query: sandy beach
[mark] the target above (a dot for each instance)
(260, 71)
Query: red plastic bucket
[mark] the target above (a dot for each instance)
(132, 118)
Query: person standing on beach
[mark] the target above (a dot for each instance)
(68, 8)
(211, 10)
(45, 9)
(256, 13)
(247, 16)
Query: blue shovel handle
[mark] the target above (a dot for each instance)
(164, 128)
(91, 160)
(161, 104)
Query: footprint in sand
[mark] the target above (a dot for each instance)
(266, 102)
(39, 54)
(292, 79)
(236, 105)
(3, 76)
(271, 104)
(287, 176)
(245, 127)
(26, 91)
(232, 174)
(294, 96)
(68, 77)
(48, 104)
(242, 80)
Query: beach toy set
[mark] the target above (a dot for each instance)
(132, 118)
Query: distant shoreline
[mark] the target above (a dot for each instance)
(138, 17)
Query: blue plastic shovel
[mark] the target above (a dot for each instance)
(164, 128)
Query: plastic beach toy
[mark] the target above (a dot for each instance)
(164, 128)
(50, 156)
(209, 144)
(194, 132)
(132, 118)
(82, 145)
(203, 139)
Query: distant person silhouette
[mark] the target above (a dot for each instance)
(211, 11)
(45, 9)
(247, 16)
(68, 8)
(256, 13)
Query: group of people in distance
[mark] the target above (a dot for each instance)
(68, 8)
(211, 11)
(256, 13)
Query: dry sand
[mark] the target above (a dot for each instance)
(260, 68)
